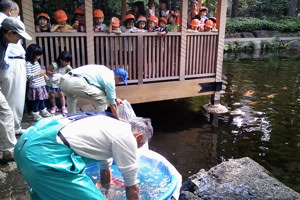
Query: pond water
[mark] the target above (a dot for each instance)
(263, 95)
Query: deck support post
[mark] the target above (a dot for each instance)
(90, 47)
(123, 12)
(183, 21)
(140, 59)
(28, 19)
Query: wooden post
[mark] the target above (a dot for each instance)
(199, 3)
(140, 59)
(28, 19)
(183, 21)
(124, 8)
(89, 31)
(58, 5)
(221, 23)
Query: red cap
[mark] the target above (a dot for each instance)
(163, 19)
(60, 16)
(153, 19)
(79, 11)
(209, 23)
(129, 16)
(115, 22)
(43, 15)
(195, 22)
(98, 13)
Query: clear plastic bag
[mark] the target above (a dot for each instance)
(125, 111)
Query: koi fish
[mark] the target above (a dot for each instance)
(254, 103)
(249, 93)
(268, 86)
(284, 88)
(271, 95)
(115, 183)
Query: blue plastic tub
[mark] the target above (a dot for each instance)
(158, 178)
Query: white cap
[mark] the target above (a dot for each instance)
(15, 25)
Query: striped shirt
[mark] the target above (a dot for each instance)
(31, 69)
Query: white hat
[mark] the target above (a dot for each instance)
(15, 25)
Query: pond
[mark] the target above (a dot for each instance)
(263, 95)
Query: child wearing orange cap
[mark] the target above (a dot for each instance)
(129, 24)
(152, 23)
(208, 26)
(194, 26)
(79, 22)
(173, 27)
(98, 16)
(43, 21)
(162, 23)
(114, 26)
(61, 26)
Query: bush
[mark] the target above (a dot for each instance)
(249, 24)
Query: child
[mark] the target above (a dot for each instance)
(37, 92)
(79, 22)
(129, 24)
(163, 9)
(98, 20)
(61, 66)
(203, 18)
(61, 26)
(173, 27)
(208, 26)
(138, 9)
(141, 24)
(44, 25)
(162, 23)
(151, 9)
(114, 26)
(194, 26)
(152, 23)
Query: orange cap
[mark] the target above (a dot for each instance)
(174, 14)
(142, 19)
(79, 11)
(163, 19)
(98, 13)
(153, 19)
(60, 16)
(115, 22)
(195, 22)
(209, 23)
(129, 16)
(43, 15)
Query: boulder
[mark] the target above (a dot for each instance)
(236, 179)
(273, 33)
(260, 33)
(294, 44)
(247, 35)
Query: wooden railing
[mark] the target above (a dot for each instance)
(147, 56)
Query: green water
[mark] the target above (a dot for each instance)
(268, 132)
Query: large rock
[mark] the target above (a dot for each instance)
(236, 179)
(260, 33)
(295, 44)
(247, 35)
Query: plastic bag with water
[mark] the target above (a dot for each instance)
(125, 111)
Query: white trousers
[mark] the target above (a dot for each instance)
(74, 87)
(13, 87)
(7, 131)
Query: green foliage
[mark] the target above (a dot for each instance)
(248, 24)
(275, 6)
(271, 44)
(250, 46)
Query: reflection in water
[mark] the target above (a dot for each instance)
(263, 124)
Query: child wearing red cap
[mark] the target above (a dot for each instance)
(194, 26)
(43, 21)
(61, 26)
(208, 26)
(114, 26)
(129, 24)
(173, 27)
(152, 23)
(79, 22)
(162, 23)
(98, 16)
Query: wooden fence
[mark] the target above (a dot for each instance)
(146, 56)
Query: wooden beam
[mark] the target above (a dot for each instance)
(183, 21)
(162, 91)
(89, 31)
(58, 5)
(28, 19)
(124, 8)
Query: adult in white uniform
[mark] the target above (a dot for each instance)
(13, 74)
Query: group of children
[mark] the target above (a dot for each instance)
(40, 84)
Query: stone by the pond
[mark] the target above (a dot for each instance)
(247, 35)
(260, 33)
(215, 109)
(236, 179)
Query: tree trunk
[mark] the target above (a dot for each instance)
(291, 11)
(235, 8)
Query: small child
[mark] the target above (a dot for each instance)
(37, 92)
(173, 27)
(61, 66)
(152, 23)
(79, 22)
(129, 24)
(141, 25)
(208, 26)
(151, 9)
(98, 20)
(61, 26)
(164, 8)
(114, 26)
(162, 23)
(44, 25)
(194, 26)
(202, 13)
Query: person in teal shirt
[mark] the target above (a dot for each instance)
(94, 82)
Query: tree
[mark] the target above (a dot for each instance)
(291, 10)
(235, 8)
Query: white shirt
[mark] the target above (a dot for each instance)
(101, 138)
(2, 17)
